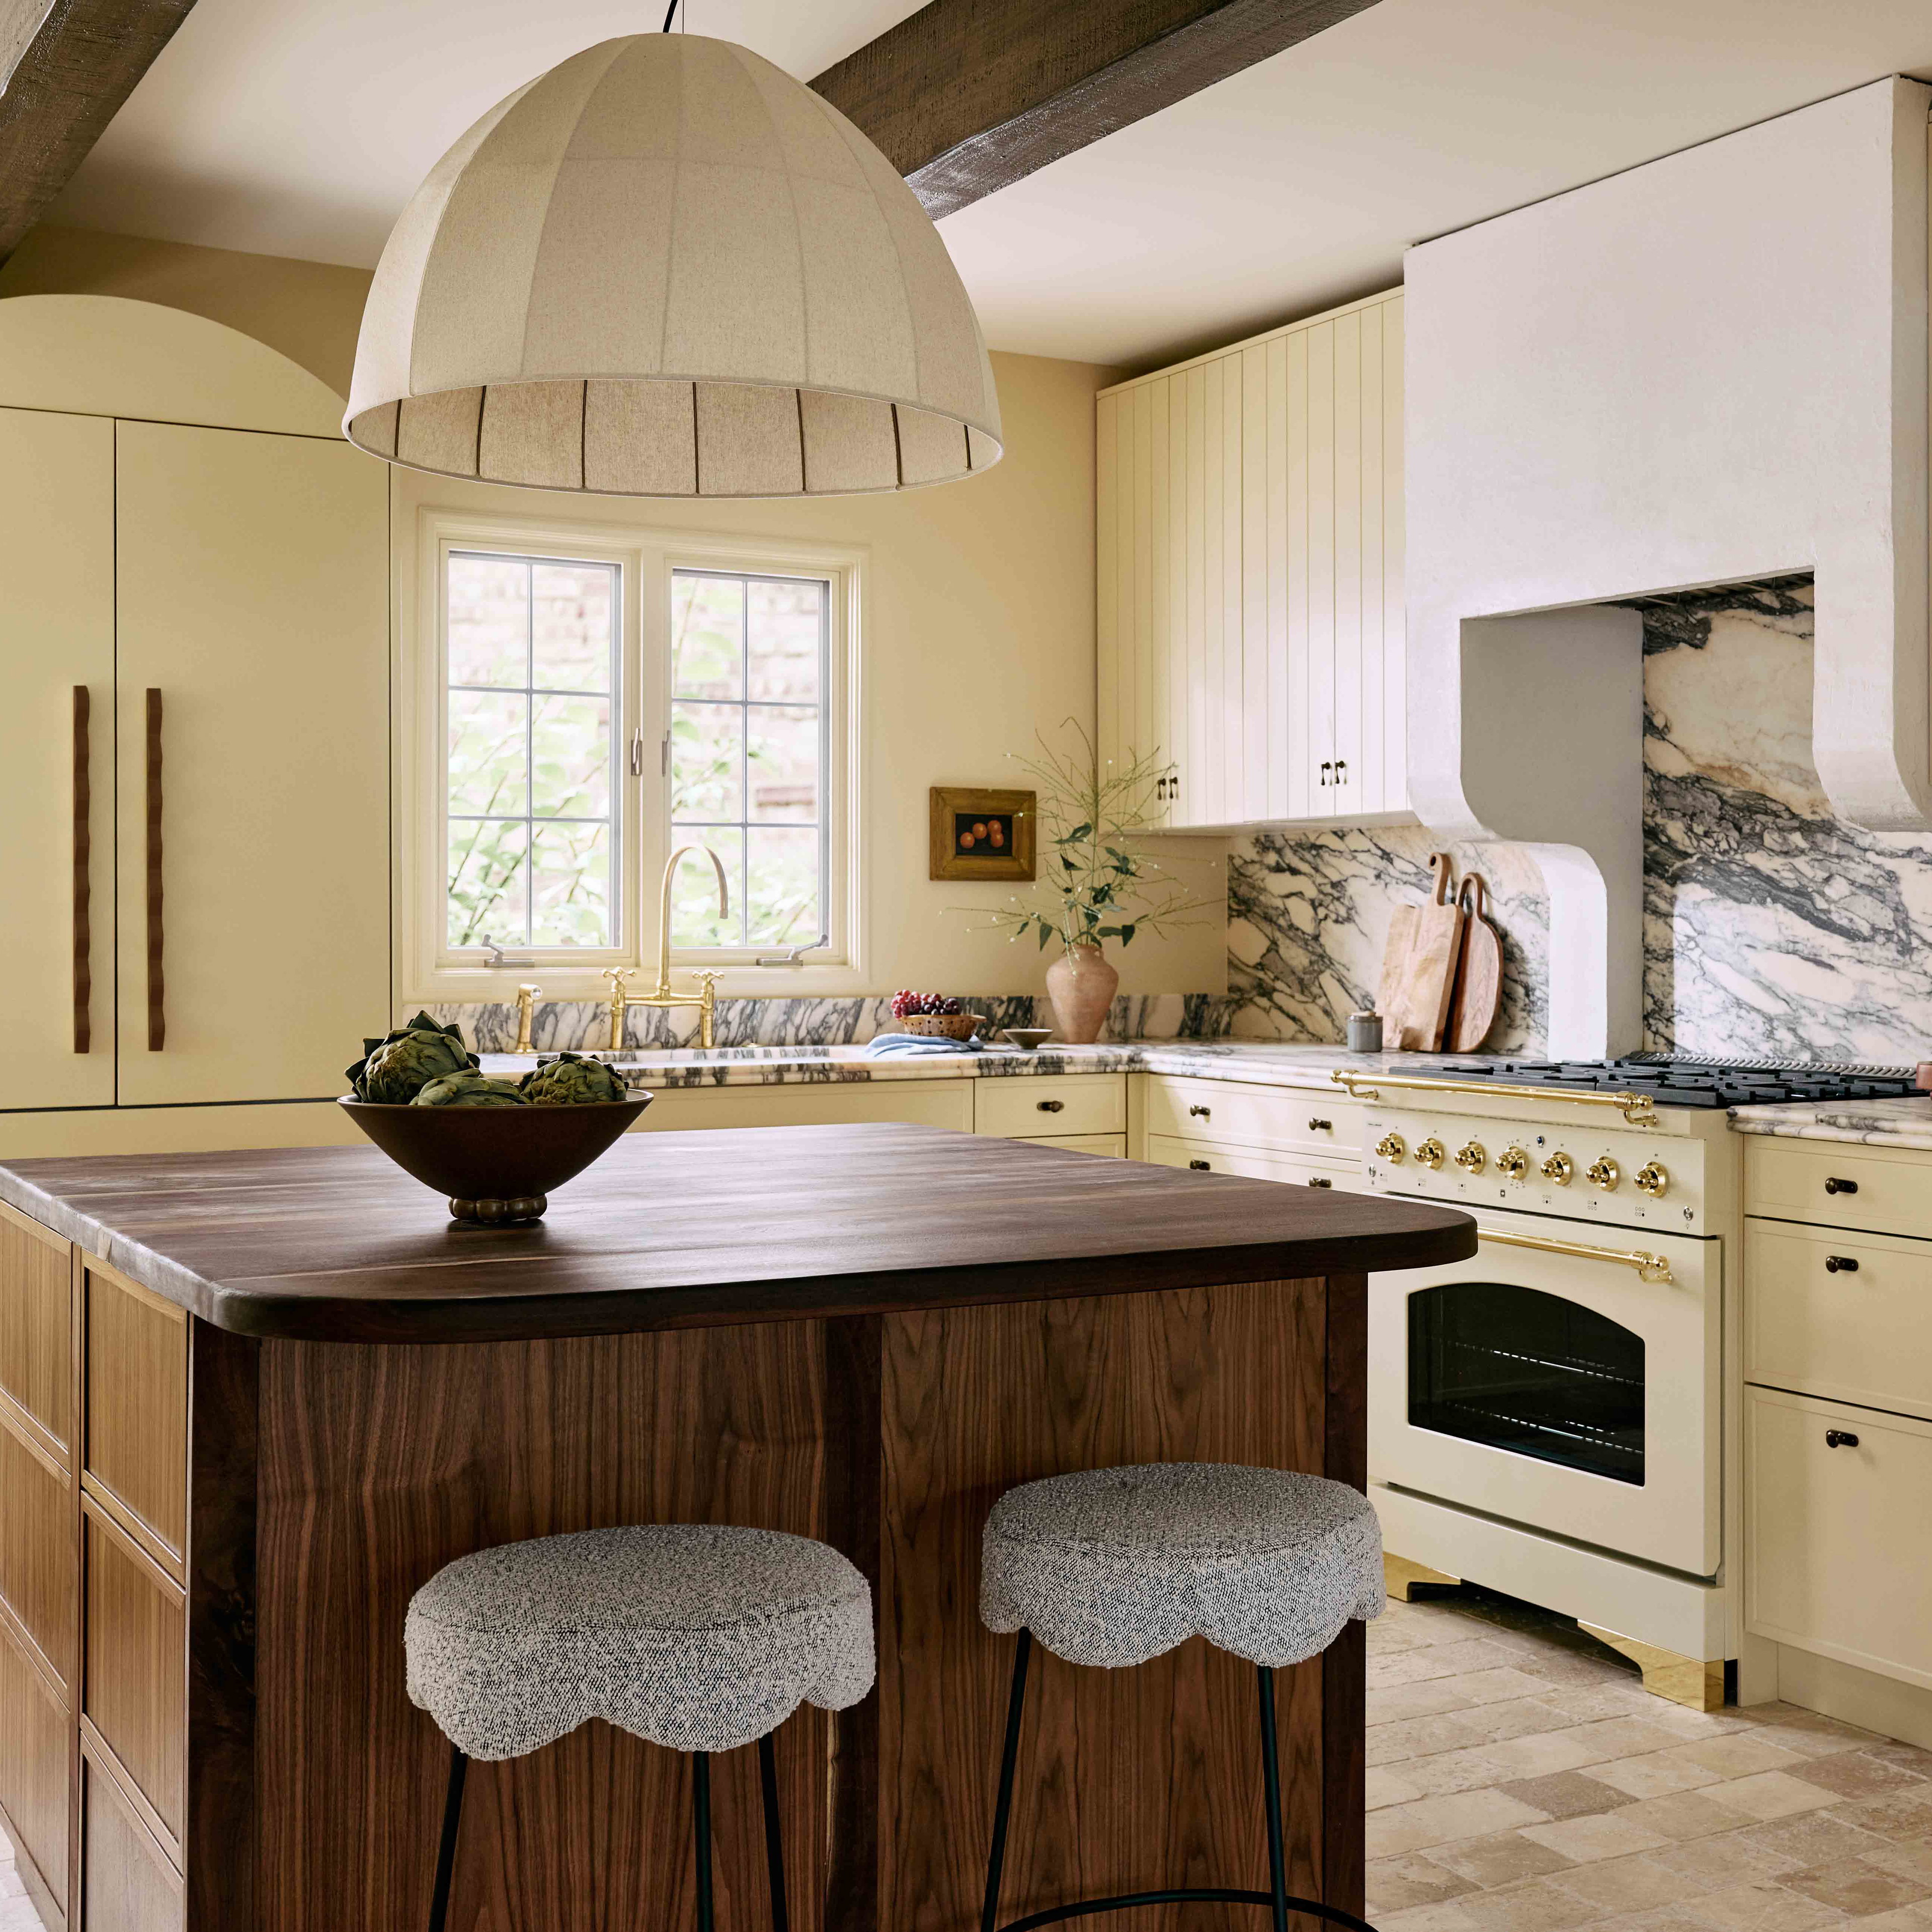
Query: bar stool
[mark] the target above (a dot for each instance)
(694, 1637)
(1113, 1567)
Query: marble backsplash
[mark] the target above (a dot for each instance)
(1309, 913)
(584, 1025)
(1770, 928)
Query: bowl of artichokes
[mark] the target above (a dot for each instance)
(495, 1148)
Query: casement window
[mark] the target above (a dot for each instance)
(571, 712)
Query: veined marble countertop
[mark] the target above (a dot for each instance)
(1893, 1124)
(1267, 1063)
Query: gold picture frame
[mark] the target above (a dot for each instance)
(978, 834)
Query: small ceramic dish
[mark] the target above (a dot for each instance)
(1027, 1038)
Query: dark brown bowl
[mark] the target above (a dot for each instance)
(497, 1165)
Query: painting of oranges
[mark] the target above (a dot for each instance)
(982, 835)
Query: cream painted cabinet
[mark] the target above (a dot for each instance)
(252, 603)
(56, 759)
(1250, 573)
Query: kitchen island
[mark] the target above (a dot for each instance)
(249, 1402)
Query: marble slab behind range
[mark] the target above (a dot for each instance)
(584, 1024)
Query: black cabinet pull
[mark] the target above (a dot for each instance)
(1835, 1186)
(1199, 1166)
(1320, 1180)
(1050, 1106)
(1198, 1113)
(1841, 1439)
(1319, 1126)
(1840, 1264)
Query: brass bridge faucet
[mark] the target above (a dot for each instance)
(527, 998)
(706, 998)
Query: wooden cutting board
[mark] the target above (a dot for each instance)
(1427, 980)
(1396, 949)
(1479, 977)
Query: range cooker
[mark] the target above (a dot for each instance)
(1557, 1416)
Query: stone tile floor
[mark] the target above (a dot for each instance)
(1521, 1779)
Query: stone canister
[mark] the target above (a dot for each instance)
(1081, 984)
(1365, 1032)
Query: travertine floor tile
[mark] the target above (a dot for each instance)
(1860, 1773)
(1437, 1821)
(1387, 1786)
(1815, 1839)
(1738, 1756)
(1857, 1887)
(1467, 1770)
(1906, 1814)
(1656, 1773)
(1413, 1879)
(1770, 1794)
(1634, 1884)
(1685, 1814)
(1567, 1794)
(1534, 1905)
(1763, 1907)
(1501, 1860)
(1609, 1834)
(1541, 1752)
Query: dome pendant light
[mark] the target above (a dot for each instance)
(667, 268)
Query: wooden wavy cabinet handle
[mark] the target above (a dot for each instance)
(157, 978)
(83, 935)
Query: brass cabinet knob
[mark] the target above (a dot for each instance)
(1604, 1171)
(1430, 1152)
(1470, 1157)
(1391, 1146)
(1513, 1163)
(1560, 1169)
(1652, 1179)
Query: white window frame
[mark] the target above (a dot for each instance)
(427, 969)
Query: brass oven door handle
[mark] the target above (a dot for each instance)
(157, 979)
(1639, 1110)
(83, 936)
(1649, 1266)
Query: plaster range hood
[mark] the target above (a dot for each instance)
(1709, 369)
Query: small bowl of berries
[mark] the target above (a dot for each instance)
(934, 1016)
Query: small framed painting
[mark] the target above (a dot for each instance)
(982, 835)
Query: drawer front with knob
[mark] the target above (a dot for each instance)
(1206, 1157)
(1282, 1118)
(1865, 1187)
(1836, 1499)
(1022, 1106)
(1849, 1318)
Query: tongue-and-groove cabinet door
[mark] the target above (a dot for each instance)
(252, 836)
(57, 758)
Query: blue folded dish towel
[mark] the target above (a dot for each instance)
(882, 1046)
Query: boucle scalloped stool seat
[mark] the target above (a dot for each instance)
(1113, 1567)
(698, 1637)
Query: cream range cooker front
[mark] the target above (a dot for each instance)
(1548, 1417)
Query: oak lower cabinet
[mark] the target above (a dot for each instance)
(194, 753)
(94, 1538)
(1249, 589)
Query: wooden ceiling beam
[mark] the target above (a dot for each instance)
(966, 96)
(69, 67)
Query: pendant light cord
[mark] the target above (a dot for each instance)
(671, 14)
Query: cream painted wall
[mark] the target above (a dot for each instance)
(980, 616)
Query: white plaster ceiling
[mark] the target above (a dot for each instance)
(300, 127)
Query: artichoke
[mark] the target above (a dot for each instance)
(470, 1088)
(571, 1080)
(396, 1068)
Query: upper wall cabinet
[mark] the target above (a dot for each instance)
(1250, 574)
(193, 748)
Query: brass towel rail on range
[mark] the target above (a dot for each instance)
(1649, 1266)
(1639, 1110)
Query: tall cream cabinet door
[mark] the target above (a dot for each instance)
(252, 837)
(57, 759)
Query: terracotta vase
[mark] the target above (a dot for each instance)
(1081, 985)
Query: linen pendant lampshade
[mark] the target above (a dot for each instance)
(667, 268)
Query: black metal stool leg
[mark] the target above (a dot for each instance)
(700, 1815)
(445, 1855)
(768, 1778)
(1009, 1758)
(1271, 1797)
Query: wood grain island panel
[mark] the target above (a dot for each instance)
(862, 1334)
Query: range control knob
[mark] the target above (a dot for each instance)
(1391, 1146)
(1513, 1163)
(1470, 1157)
(1652, 1179)
(1604, 1171)
(1560, 1169)
(1430, 1152)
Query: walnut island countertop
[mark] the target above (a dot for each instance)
(304, 1393)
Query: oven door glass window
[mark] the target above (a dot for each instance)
(1527, 1372)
